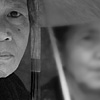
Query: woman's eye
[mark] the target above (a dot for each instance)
(87, 37)
(14, 14)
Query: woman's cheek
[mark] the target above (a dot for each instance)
(81, 55)
(78, 62)
(19, 21)
(23, 27)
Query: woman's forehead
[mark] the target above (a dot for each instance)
(14, 1)
(79, 31)
(87, 26)
(5, 4)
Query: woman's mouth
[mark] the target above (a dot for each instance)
(5, 56)
(97, 69)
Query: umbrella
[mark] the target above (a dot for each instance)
(66, 12)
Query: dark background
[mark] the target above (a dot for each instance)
(48, 66)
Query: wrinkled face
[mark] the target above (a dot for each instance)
(83, 55)
(14, 32)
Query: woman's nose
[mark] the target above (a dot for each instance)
(4, 36)
(97, 53)
(5, 32)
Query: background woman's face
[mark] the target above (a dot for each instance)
(83, 55)
(14, 32)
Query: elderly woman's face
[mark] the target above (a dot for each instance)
(14, 32)
(83, 55)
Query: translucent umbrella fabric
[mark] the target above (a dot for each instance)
(65, 12)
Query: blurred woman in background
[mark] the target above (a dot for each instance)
(76, 25)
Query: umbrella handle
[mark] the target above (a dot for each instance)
(63, 81)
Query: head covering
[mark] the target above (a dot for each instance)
(66, 12)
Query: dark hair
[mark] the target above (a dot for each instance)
(62, 35)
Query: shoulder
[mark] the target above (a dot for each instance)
(13, 88)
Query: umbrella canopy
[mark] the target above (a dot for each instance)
(66, 12)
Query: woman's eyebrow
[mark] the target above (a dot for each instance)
(22, 6)
(16, 3)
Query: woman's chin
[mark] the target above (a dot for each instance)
(2, 74)
(94, 85)
(93, 81)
